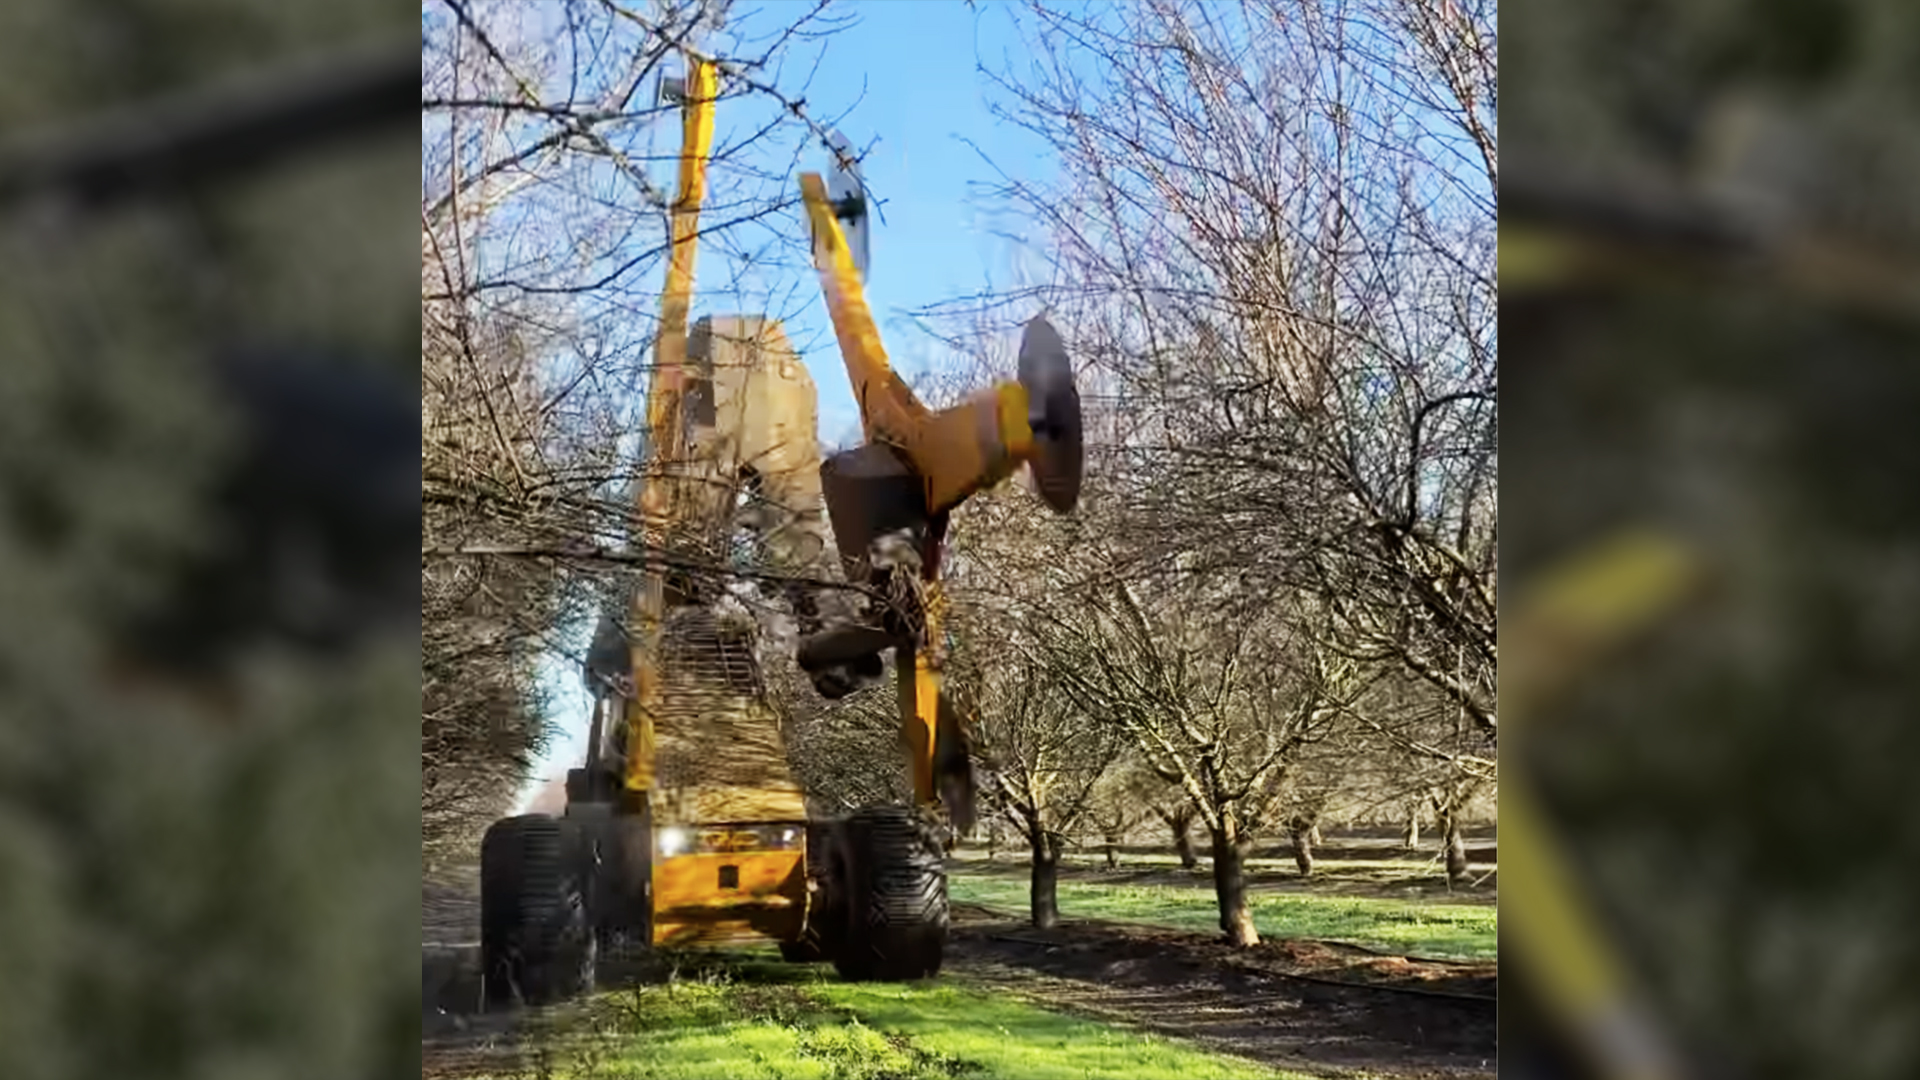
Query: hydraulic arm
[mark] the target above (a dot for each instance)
(889, 500)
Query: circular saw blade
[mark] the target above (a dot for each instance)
(846, 188)
(1053, 412)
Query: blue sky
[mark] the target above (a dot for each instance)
(904, 74)
(907, 71)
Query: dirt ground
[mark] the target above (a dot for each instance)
(457, 1038)
(1311, 1007)
(1306, 1006)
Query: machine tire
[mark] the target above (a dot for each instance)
(536, 934)
(896, 898)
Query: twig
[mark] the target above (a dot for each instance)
(655, 561)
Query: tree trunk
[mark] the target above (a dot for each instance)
(1230, 886)
(1456, 852)
(1113, 851)
(1044, 894)
(1182, 824)
(1303, 841)
(1412, 835)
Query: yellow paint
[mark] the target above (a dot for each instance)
(692, 881)
(919, 692)
(1620, 587)
(663, 410)
(950, 451)
(953, 451)
(696, 122)
(1558, 936)
(1015, 432)
(724, 840)
(689, 906)
(888, 408)
(926, 680)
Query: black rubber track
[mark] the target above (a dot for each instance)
(536, 943)
(897, 909)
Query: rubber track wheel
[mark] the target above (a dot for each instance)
(536, 943)
(898, 899)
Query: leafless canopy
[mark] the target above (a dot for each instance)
(1272, 236)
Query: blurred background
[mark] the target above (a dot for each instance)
(208, 617)
(1712, 242)
(1710, 235)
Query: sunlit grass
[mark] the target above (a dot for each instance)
(1011, 1039)
(743, 1014)
(1462, 931)
(767, 1020)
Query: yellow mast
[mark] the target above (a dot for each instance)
(657, 493)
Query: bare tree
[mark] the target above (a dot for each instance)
(1425, 756)
(1218, 687)
(1450, 802)
(1121, 799)
(1219, 706)
(1041, 757)
(1300, 794)
(1273, 228)
(1178, 812)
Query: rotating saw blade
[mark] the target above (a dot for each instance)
(1053, 412)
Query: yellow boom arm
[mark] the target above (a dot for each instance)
(953, 452)
(956, 451)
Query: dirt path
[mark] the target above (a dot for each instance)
(1302, 1006)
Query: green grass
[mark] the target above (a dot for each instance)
(759, 1019)
(1459, 931)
